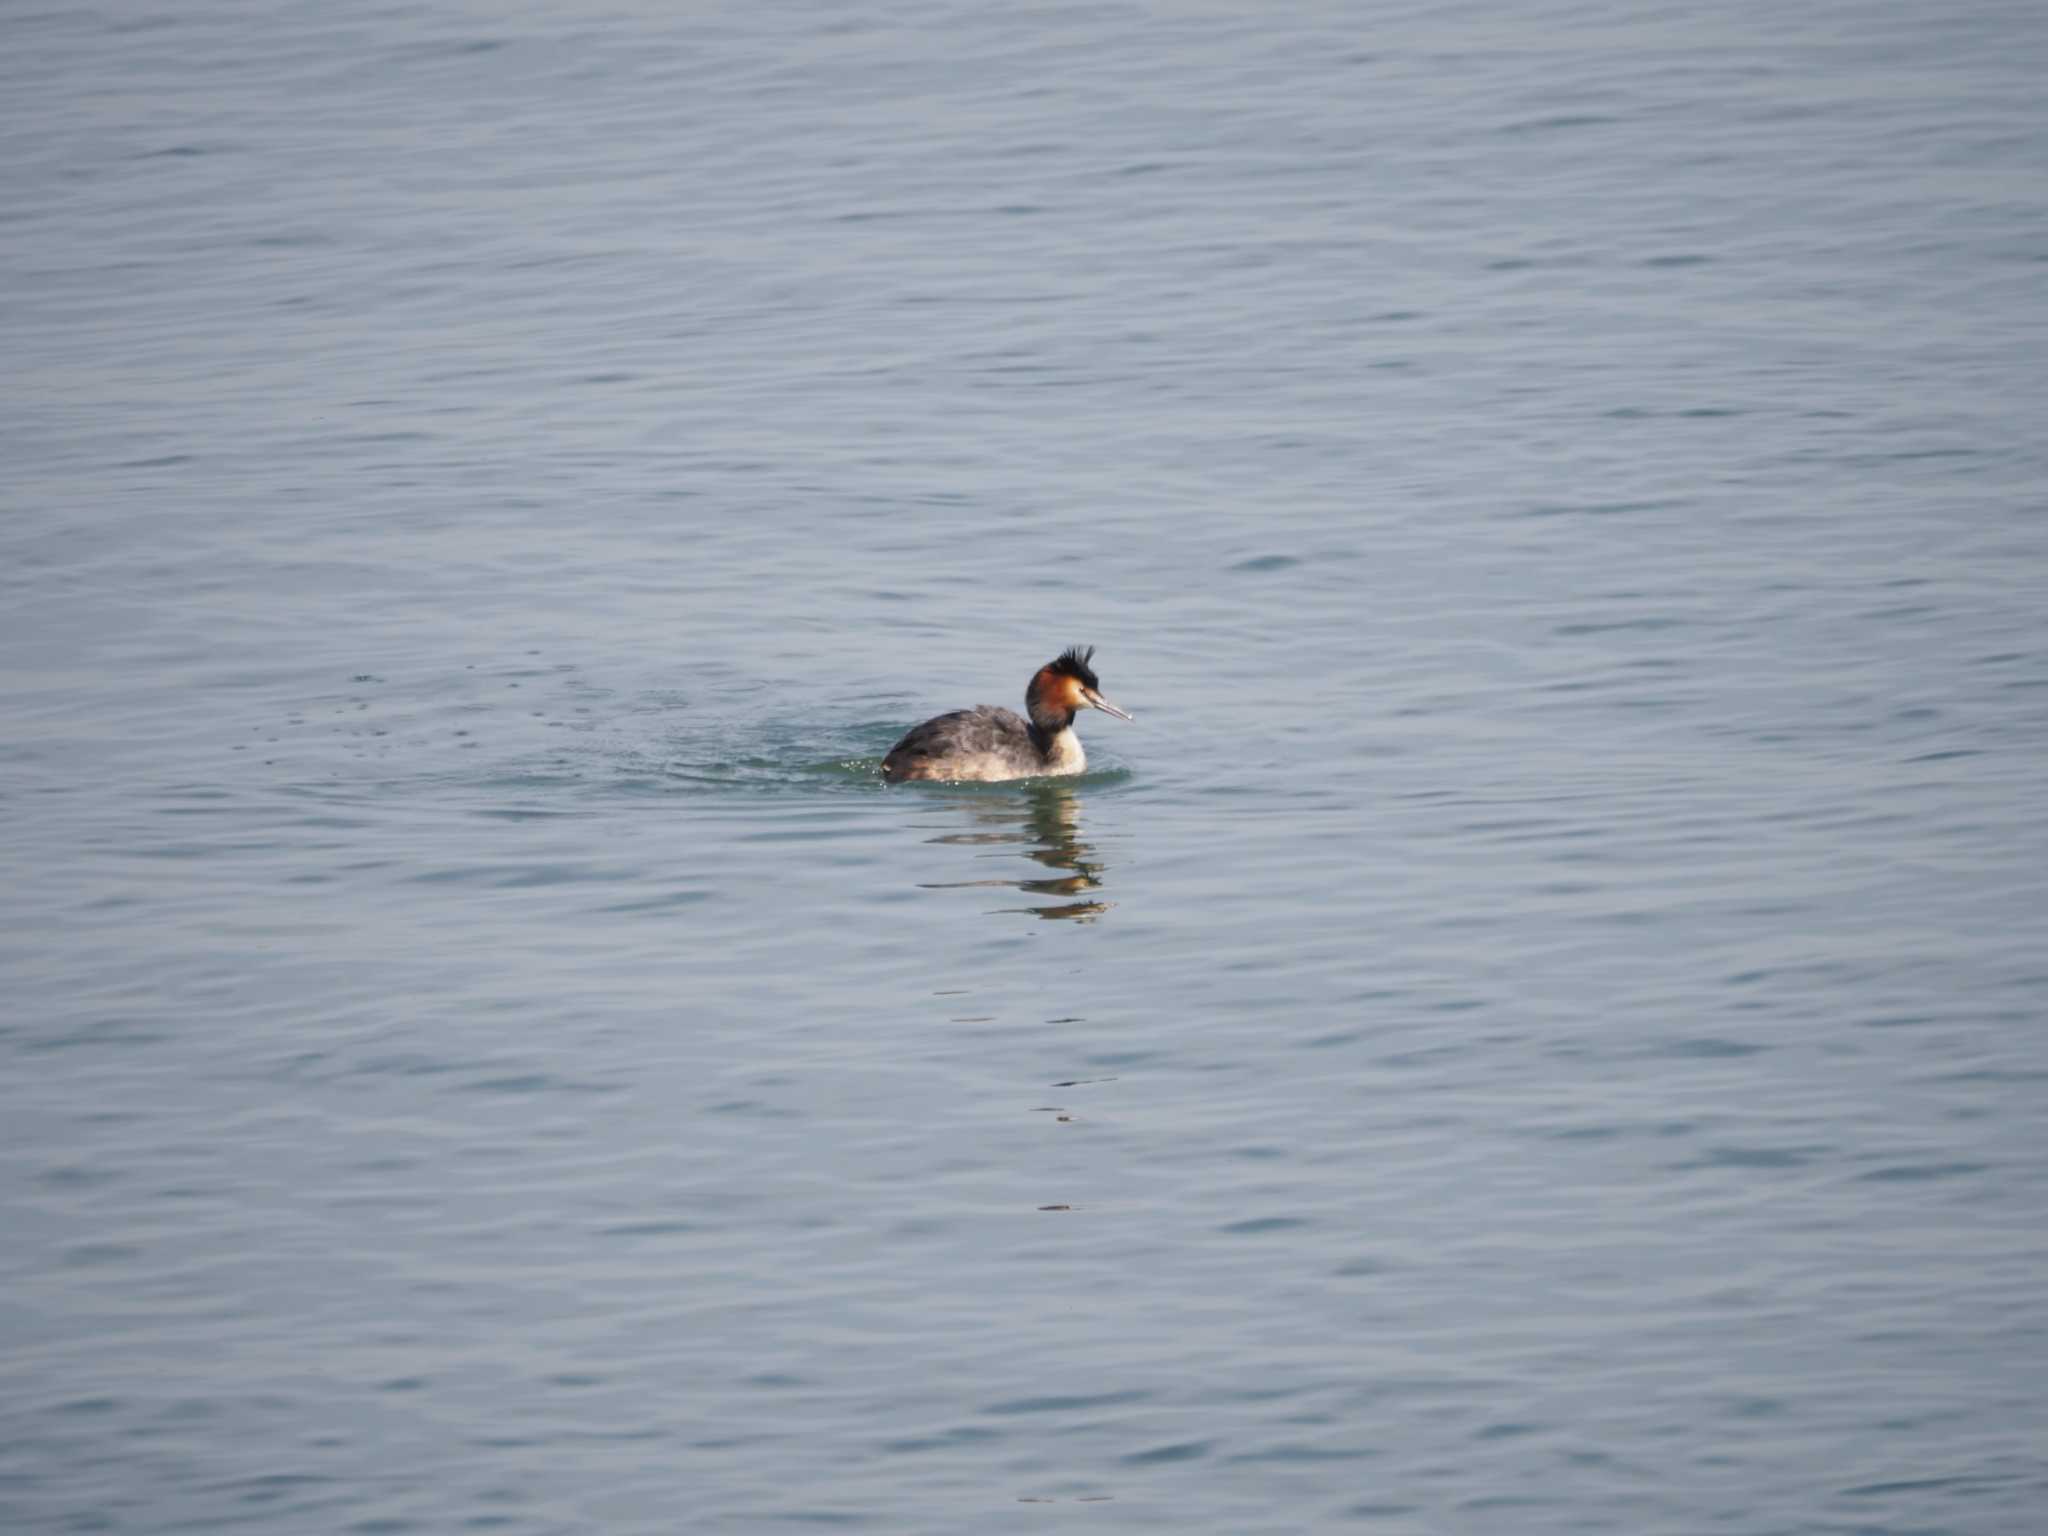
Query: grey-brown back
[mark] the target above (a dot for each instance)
(962, 736)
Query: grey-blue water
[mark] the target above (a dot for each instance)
(1538, 1026)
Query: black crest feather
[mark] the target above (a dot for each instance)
(1073, 662)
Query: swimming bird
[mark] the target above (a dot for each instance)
(983, 743)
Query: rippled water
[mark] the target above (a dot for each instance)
(1536, 1027)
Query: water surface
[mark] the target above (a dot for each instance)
(1535, 1027)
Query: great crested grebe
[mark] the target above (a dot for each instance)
(984, 743)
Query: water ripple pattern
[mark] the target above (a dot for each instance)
(1537, 1026)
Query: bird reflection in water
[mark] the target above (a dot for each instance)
(1046, 820)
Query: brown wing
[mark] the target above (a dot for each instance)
(963, 733)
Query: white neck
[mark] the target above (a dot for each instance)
(1066, 755)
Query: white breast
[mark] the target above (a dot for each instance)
(1067, 756)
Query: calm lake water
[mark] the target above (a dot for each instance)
(1537, 1027)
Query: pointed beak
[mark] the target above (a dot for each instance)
(1103, 704)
